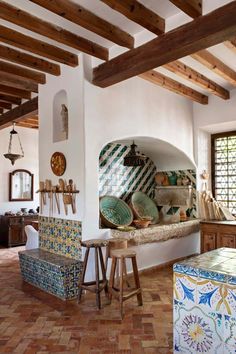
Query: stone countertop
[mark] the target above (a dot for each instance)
(218, 264)
(158, 233)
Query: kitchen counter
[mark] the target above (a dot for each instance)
(225, 222)
(159, 232)
(205, 303)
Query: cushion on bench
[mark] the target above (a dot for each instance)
(56, 274)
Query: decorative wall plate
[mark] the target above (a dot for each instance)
(58, 163)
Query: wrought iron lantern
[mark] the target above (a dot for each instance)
(134, 158)
(13, 157)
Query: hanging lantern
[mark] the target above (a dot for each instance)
(134, 158)
(13, 157)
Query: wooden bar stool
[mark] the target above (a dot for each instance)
(113, 244)
(120, 256)
(97, 285)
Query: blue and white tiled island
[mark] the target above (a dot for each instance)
(205, 303)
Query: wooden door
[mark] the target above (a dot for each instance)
(208, 241)
(227, 240)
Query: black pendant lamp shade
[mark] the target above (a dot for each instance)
(134, 158)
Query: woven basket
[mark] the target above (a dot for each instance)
(143, 207)
(115, 212)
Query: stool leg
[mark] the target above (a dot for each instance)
(125, 274)
(98, 299)
(112, 276)
(122, 260)
(104, 278)
(83, 274)
(137, 282)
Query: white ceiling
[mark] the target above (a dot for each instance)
(174, 17)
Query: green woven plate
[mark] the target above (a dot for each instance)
(115, 212)
(144, 206)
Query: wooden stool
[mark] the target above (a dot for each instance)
(97, 285)
(114, 244)
(120, 256)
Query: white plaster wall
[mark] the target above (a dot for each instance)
(71, 80)
(218, 116)
(29, 140)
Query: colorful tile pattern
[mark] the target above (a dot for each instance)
(205, 303)
(57, 275)
(60, 236)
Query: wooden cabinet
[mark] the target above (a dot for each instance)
(216, 234)
(12, 229)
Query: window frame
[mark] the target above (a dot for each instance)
(213, 138)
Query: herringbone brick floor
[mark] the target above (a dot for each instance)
(32, 321)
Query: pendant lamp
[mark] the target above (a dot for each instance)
(11, 156)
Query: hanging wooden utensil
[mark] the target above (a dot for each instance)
(55, 192)
(71, 194)
(62, 188)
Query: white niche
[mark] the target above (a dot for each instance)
(60, 117)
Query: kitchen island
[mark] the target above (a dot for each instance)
(205, 303)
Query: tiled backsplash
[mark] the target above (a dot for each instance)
(121, 181)
(60, 236)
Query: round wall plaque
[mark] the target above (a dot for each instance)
(58, 163)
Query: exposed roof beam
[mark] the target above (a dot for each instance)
(29, 60)
(138, 13)
(1, 110)
(10, 99)
(25, 110)
(184, 71)
(30, 44)
(24, 19)
(24, 73)
(231, 44)
(23, 84)
(15, 92)
(193, 8)
(5, 105)
(174, 86)
(84, 18)
(216, 65)
(201, 33)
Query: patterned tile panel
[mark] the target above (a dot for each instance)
(60, 236)
(54, 274)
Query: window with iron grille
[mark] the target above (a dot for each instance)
(224, 169)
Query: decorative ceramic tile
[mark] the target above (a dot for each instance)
(57, 275)
(185, 289)
(60, 236)
(229, 334)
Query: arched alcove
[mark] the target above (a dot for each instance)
(60, 117)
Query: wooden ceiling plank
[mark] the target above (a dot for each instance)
(5, 105)
(187, 73)
(174, 86)
(25, 110)
(86, 19)
(24, 73)
(216, 65)
(1, 110)
(23, 84)
(231, 45)
(30, 44)
(139, 13)
(26, 20)
(193, 8)
(10, 99)
(29, 60)
(203, 32)
(15, 92)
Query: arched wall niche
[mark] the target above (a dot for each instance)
(60, 117)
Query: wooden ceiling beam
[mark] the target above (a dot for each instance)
(203, 32)
(138, 13)
(193, 8)
(5, 105)
(30, 44)
(15, 92)
(10, 99)
(86, 19)
(1, 110)
(26, 124)
(23, 84)
(216, 65)
(26, 20)
(187, 73)
(25, 110)
(174, 86)
(29, 60)
(24, 73)
(231, 44)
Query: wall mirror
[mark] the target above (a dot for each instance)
(21, 184)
